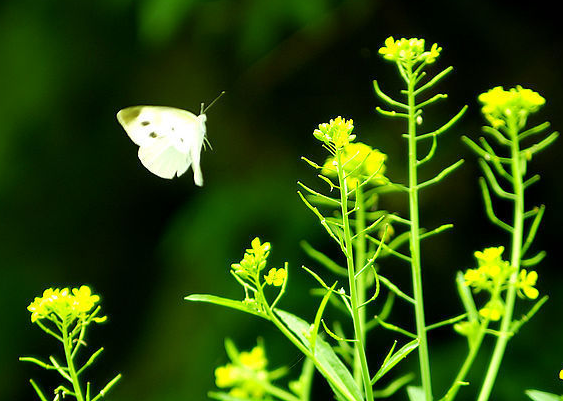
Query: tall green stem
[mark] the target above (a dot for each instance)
(360, 255)
(415, 245)
(67, 343)
(358, 329)
(517, 235)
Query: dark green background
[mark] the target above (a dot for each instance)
(76, 206)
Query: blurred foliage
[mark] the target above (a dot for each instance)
(77, 207)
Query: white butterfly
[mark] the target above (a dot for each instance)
(169, 139)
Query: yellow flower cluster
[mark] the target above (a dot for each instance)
(409, 51)
(360, 162)
(244, 377)
(502, 106)
(337, 132)
(276, 277)
(493, 275)
(492, 269)
(64, 303)
(254, 259)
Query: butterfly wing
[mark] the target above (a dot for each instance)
(170, 139)
(162, 159)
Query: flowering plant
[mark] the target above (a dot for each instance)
(65, 315)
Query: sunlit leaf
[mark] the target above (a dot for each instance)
(325, 356)
(537, 395)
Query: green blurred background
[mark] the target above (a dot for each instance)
(76, 206)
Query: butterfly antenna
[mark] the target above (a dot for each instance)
(206, 141)
(212, 103)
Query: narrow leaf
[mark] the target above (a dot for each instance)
(537, 395)
(395, 359)
(229, 303)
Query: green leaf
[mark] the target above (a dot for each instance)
(225, 397)
(229, 303)
(325, 356)
(389, 363)
(415, 393)
(537, 395)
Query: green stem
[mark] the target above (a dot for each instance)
(67, 343)
(360, 254)
(517, 236)
(473, 350)
(356, 319)
(415, 246)
(474, 347)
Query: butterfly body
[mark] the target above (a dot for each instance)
(169, 139)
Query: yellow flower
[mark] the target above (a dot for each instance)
(253, 260)
(472, 277)
(493, 310)
(360, 162)
(409, 51)
(501, 106)
(226, 376)
(489, 255)
(276, 277)
(259, 250)
(84, 301)
(255, 359)
(337, 132)
(526, 282)
(561, 374)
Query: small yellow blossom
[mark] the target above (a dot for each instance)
(226, 376)
(501, 106)
(360, 162)
(493, 310)
(255, 359)
(409, 51)
(472, 277)
(276, 277)
(561, 374)
(489, 255)
(259, 250)
(526, 283)
(337, 132)
(84, 301)
(254, 259)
